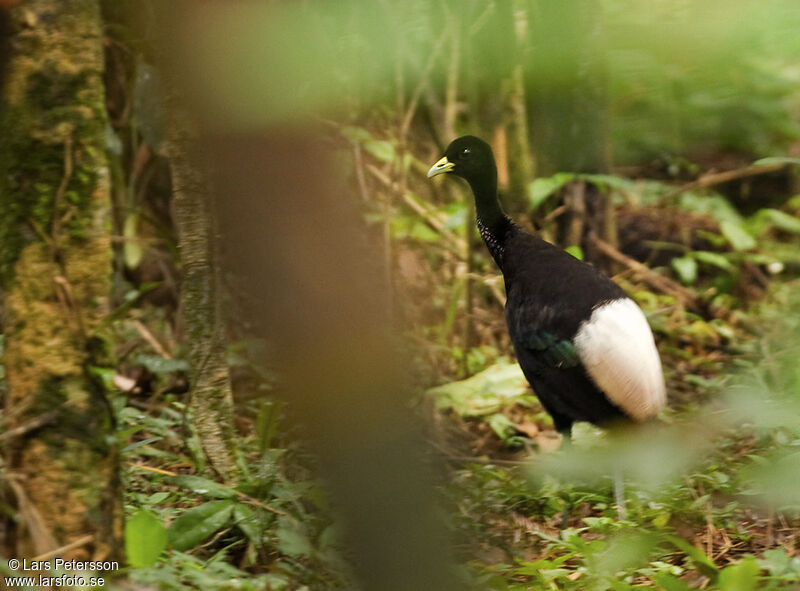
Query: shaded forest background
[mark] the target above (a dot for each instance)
(247, 344)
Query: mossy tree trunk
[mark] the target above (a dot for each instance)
(55, 266)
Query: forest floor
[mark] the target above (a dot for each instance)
(712, 490)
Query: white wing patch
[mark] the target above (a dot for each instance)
(617, 348)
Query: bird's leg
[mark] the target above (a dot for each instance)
(566, 446)
(619, 492)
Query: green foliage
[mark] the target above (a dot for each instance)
(484, 393)
(196, 524)
(686, 268)
(268, 518)
(145, 539)
(541, 189)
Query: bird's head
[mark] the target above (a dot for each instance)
(468, 157)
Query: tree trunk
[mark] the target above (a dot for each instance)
(55, 267)
(211, 402)
(567, 96)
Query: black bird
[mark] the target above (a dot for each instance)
(582, 343)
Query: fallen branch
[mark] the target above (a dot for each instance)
(717, 178)
(655, 280)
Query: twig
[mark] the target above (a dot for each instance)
(554, 214)
(31, 519)
(241, 495)
(152, 341)
(31, 425)
(66, 548)
(423, 82)
(478, 460)
(490, 282)
(659, 282)
(66, 295)
(717, 178)
(451, 89)
(62, 189)
(456, 244)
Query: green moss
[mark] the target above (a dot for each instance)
(50, 103)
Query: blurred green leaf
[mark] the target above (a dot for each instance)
(132, 249)
(699, 558)
(540, 189)
(714, 259)
(250, 522)
(292, 542)
(686, 268)
(502, 426)
(742, 576)
(196, 524)
(609, 181)
(775, 478)
(736, 235)
(714, 205)
(575, 251)
(777, 160)
(145, 539)
(159, 365)
(267, 420)
(483, 393)
(380, 149)
(669, 582)
(783, 221)
(203, 486)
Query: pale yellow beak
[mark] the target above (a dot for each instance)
(442, 166)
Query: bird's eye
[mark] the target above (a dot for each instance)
(465, 152)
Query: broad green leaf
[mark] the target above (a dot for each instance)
(145, 539)
(132, 250)
(159, 365)
(783, 221)
(356, 134)
(742, 576)
(424, 233)
(662, 519)
(686, 268)
(540, 189)
(609, 181)
(203, 486)
(575, 251)
(196, 524)
(293, 543)
(714, 205)
(267, 423)
(714, 259)
(380, 149)
(737, 236)
(457, 217)
(777, 562)
(670, 582)
(484, 393)
(139, 444)
(251, 522)
(502, 426)
(699, 558)
(777, 160)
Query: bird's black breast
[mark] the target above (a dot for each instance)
(548, 289)
(549, 294)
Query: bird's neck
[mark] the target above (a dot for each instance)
(492, 222)
(487, 206)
